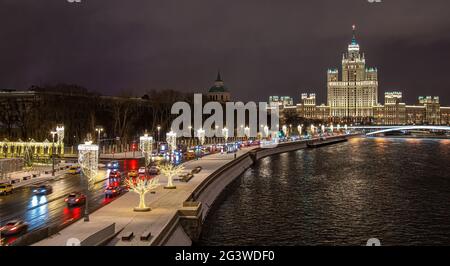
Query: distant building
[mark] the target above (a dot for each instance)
(352, 98)
(394, 112)
(281, 101)
(218, 92)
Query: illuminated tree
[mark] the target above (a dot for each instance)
(170, 170)
(142, 186)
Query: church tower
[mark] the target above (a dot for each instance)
(218, 92)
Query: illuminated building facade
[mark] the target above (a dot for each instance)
(280, 101)
(352, 98)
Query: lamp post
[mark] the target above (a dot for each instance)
(247, 132)
(159, 130)
(225, 134)
(53, 151)
(99, 130)
(201, 136)
(284, 129)
(88, 160)
(190, 136)
(266, 131)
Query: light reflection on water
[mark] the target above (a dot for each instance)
(343, 194)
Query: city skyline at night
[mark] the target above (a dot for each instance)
(288, 50)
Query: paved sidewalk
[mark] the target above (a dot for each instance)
(164, 203)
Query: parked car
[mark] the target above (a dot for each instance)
(75, 198)
(141, 171)
(113, 165)
(189, 155)
(132, 173)
(114, 174)
(112, 191)
(153, 170)
(13, 227)
(43, 190)
(74, 169)
(6, 189)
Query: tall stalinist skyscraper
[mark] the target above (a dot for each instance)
(351, 99)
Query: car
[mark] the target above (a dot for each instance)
(43, 190)
(142, 170)
(113, 165)
(132, 173)
(112, 191)
(75, 198)
(189, 155)
(13, 227)
(153, 170)
(114, 174)
(74, 169)
(5, 189)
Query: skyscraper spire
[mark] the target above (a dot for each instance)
(354, 34)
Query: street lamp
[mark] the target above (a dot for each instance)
(53, 151)
(225, 134)
(99, 130)
(201, 135)
(88, 161)
(266, 131)
(247, 132)
(159, 129)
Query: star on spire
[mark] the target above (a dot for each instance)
(354, 34)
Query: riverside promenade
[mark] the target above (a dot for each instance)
(165, 204)
(177, 214)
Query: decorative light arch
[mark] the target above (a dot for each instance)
(397, 128)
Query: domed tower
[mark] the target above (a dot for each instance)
(218, 92)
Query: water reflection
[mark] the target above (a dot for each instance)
(344, 194)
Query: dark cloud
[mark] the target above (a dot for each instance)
(262, 47)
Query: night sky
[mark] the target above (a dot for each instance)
(277, 47)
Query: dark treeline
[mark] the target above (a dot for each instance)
(34, 115)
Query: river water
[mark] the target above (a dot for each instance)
(396, 190)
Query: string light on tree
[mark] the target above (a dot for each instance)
(142, 186)
(170, 171)
(146, 147)
(88, 160)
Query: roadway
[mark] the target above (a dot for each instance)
(51, 210)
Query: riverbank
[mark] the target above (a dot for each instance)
(177, 214)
